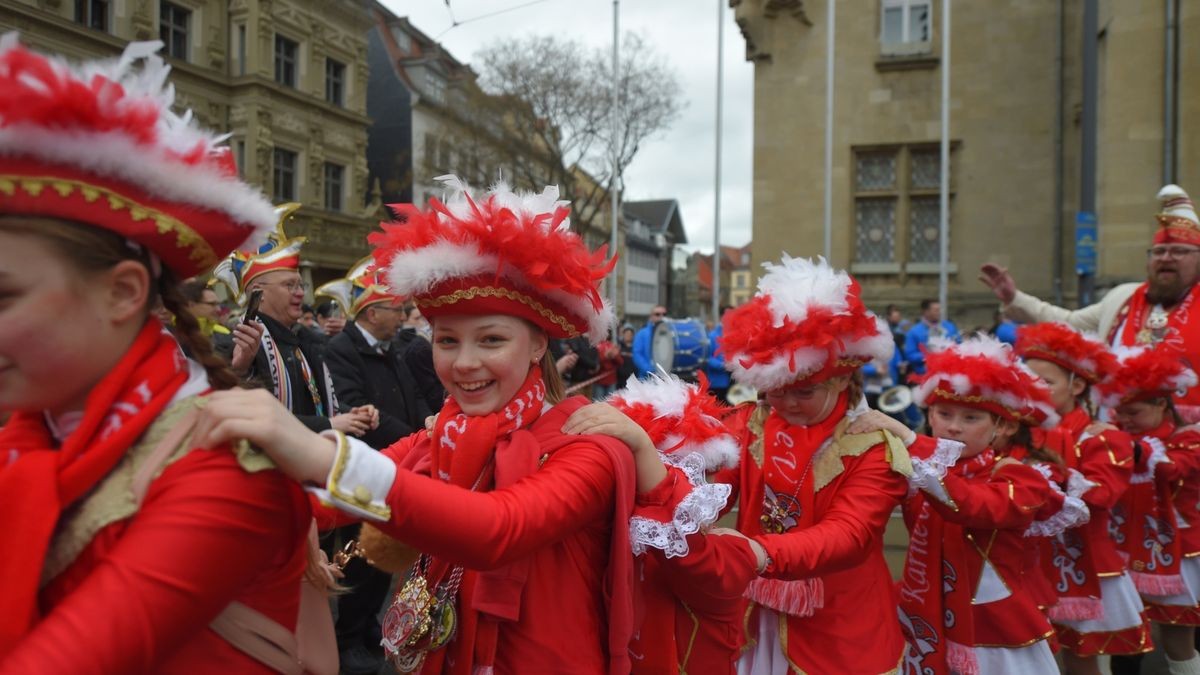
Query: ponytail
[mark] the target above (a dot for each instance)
(187, 331)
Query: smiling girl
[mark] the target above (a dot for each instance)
(129, 538)
(526, 563)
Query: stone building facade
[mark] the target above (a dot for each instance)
(287, 79)
(1015, 129)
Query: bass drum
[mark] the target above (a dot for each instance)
(680, 346)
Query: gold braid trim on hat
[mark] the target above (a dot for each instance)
(185, 237)
(508, 294)
(1176, 222)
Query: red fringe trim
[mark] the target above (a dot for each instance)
(799, 598)
(1076, 609)
(1158, 584)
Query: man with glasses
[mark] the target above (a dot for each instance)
(643, 342)
(1160, 308)
(284, 358)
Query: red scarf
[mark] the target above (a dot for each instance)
(1183, 327)
(1070, 565)
(936, 589)
(464, 452)
(1154, 547)
(39, 481)
(789, 501)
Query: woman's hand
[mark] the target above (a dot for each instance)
(873, 420)
(257, 416)
(760, 553)
(602, 418)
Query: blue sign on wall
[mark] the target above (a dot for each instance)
(1085, 242)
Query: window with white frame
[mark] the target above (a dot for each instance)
(897, 207)
(173, 24)
(435, 87)
(905, 22)
(642, 292)
(285, 175)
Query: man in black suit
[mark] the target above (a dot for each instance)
(367, 366)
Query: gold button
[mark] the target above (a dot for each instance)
(362, 495)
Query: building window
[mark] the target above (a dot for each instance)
(335, 82)
(642, 292)
(286, 52)
(241, 48)
(446, 157)
(431, 151)
(173, 22)
(435, 87)
(403, 41)
(905, 26)
(285, 175)
(92, 13)
(333, 186)
(897, 205)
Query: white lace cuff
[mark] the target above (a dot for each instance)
(699, 509)
(1158, 455)
(359, 481)
(928, 473)
(1073, 512)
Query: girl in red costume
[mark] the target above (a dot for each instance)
(1162, 528)
(813, 499)
(1098, 610)
(963, 597)
(527, 564)
(1069, 364)
(132, 543)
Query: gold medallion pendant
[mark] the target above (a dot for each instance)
(408, 618)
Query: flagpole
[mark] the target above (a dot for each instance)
(716, 286)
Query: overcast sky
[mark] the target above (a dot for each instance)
(679, 163)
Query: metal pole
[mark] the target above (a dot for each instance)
(716, 295)
(1170, 80)
(829, 41)
(1087, 177)
(614, 150)
(944, 189)
(1059, 89)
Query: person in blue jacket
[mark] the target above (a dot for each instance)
(643, 357)
(930, 325)
(718, 377)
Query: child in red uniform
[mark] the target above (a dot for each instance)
(690, 584)
(1163, 525)
(1069, 364)
(1098, 611)
(813, 498)
(523, 526)
(963, 598)
(128, 539)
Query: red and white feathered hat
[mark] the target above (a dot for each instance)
(680, 418)
(806, 324)
(985, 374)
(506, 253)
(98, 143)
(1146, 372)
(1062, 345)
(359, 289)
(1177, 223)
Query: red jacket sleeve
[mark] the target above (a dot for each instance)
(485, 530)
(206, 531)
(1107, 461)
(848, 530)
(711, 577)
(1010, 499)
(1183, 449)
